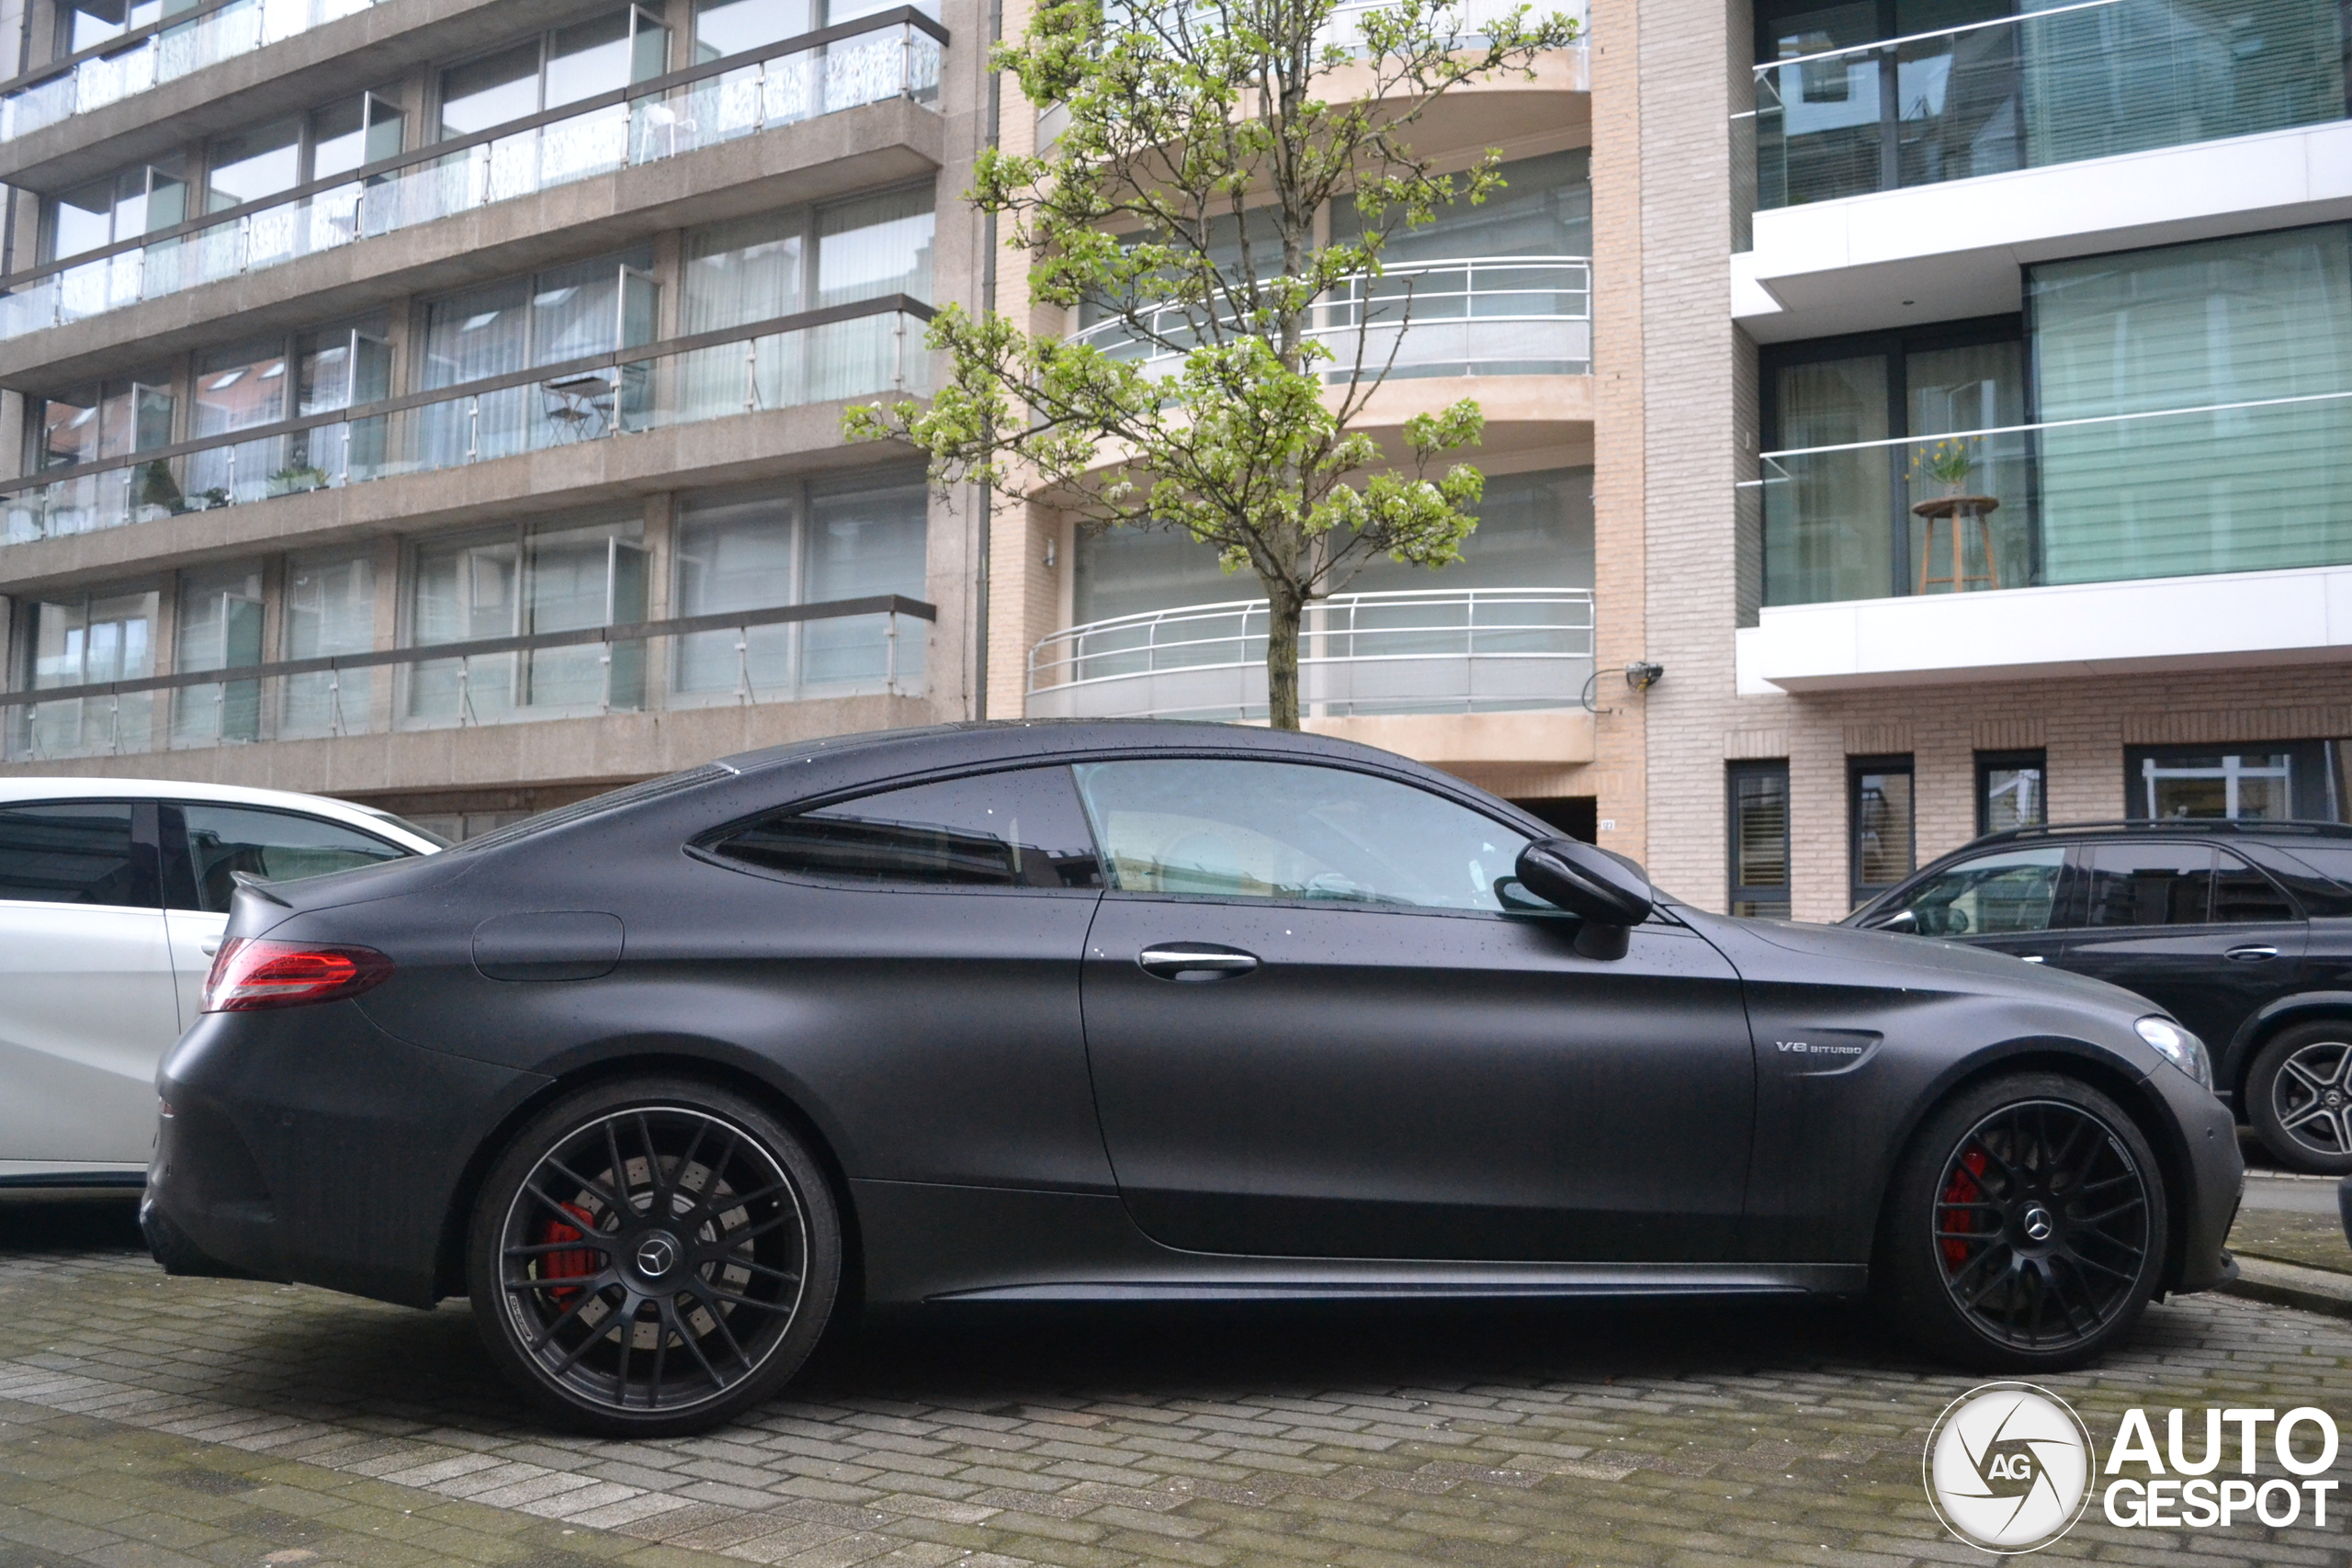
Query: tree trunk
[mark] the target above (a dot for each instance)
(1284, 613)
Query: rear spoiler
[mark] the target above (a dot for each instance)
(248, 883)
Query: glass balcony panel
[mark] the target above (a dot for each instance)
(2082, 81)
(892, 61)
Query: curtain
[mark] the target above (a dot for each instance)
(2254, 317)
(860, 543)
(482, 333)
(2166, 73)
(747, 270)
(1826, 533)
(739, 553)
(874, 246)
(218, 628)
(238, 388)
(330, 609)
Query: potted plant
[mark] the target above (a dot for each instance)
(1949, 463)
(295, 478)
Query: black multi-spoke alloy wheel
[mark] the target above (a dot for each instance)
(653, 1256)
(2025, 1228)
(2299, 1096)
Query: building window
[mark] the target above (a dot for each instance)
(1841, 523)
(791, 544)
(80, 638)
(520, 581)
(1880, 817)
(218, 626)
(122, 205)
(1759, 840)
(330, 609)
(112, 419)
(2233, 322)
(260, 161)
(561, 66)
(2011, 791)
(2269, 783)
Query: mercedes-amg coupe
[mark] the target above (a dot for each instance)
(1130, 1011)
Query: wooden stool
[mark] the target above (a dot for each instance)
(1960, 509)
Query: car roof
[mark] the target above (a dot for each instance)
(31, 788)
(2173, 827)
(1011, 740)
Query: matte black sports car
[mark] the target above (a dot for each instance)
(1137, 1011)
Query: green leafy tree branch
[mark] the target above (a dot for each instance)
(1221, 390)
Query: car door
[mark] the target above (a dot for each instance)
(2012, 900)
(912, 955)
(87, 1001)
(206, 843)
(2197, 931)
(1315, 1032)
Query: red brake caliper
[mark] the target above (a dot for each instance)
(577, 1265)
(1961, 1188)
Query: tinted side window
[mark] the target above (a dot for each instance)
(2241, 893)
(2148, 885)
(1021, 829)
(2014, 891)
(1292, 831)
(276, 846)
(75, 853)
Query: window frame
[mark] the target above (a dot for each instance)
(1859, 892)
(145, 835)
(704, 846)
(1988, 762)
(1476, 807)
(1735, 891)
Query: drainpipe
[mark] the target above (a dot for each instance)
(980, 497)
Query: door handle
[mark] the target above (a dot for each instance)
(1195, 961)
(210, 946)
(2251, 955)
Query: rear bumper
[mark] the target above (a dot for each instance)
(308, 1145)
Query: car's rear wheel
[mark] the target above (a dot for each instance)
(2025, 1227)
(653, 1256)
(2299, 1096)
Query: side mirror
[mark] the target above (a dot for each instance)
(1610, 895)
(1904, 920)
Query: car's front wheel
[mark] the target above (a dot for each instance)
(2025, 1227)
(653, 1256)
(2299, 1096)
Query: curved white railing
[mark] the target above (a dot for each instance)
(1459, 651)
(1470, 315)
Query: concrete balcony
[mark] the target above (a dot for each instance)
(748, 404)
(1925, 171)
(806, 121)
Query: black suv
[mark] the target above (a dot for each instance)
(2242, 931)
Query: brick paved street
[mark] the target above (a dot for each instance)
(145, 1421)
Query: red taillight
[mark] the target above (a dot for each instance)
(250, 972)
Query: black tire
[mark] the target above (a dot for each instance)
(2299, 1096)
(683, 1319)
(2025, 1227)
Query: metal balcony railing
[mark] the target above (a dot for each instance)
(895, 54)
(1461, 650)
(843, 351)
(2056, 86)
(796, 653)
(1476, 315)
(146, 57)
(2257, 485)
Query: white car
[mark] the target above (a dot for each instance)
(113, 894)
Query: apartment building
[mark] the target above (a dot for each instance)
(1992, 377)
(437, 402)
(1485, 668)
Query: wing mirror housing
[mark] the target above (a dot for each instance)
(1904, 920)
(1611, 895)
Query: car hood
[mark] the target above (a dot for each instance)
(1912, 961)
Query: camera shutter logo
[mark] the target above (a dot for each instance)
(2009, 1467)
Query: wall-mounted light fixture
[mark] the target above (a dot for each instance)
(1641, 674)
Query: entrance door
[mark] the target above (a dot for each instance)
(1315, 1032)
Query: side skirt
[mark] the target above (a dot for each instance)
(1204, 1278)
